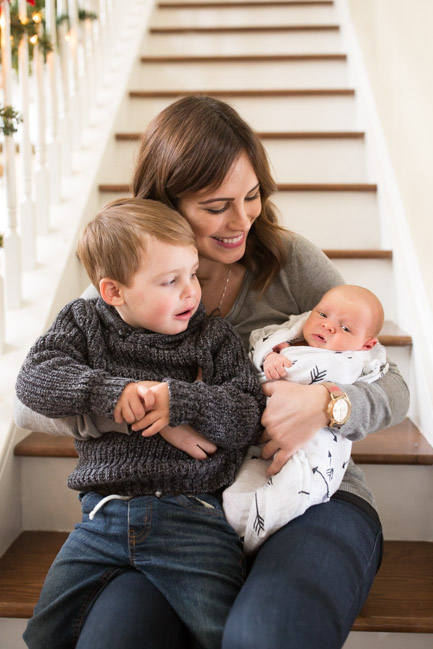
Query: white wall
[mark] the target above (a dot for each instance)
(396, 40)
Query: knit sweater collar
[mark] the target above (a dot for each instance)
(112, 319)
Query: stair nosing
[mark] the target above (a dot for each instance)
(276, 135)
(281, 187)
(271, 92)
(247, 4)
(243, 58)
(249, 29)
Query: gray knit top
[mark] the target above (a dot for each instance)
(87, 357)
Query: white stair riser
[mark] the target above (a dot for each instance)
(316, 160)
(374, 274)
(238, 16)
(243, 43)
(49, 505)
(332, 219)
(292, 161)
(403, 497)
(364, 639)
(11, 631)
(233, 75)
(315, 113)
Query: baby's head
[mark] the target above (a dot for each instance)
(142, 258)
(347, 318)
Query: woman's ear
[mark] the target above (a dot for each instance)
(111, 291)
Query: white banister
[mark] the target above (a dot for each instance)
(75, 96)
(54, 154)
(41, 169)
(65, 126)
(11, 239)
(27, 206)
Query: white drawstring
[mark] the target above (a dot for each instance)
(105, 500)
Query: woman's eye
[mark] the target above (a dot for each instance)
(253, 198)
(215, 211)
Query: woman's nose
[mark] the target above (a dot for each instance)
(241, 217)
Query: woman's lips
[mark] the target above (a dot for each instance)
(231, 242)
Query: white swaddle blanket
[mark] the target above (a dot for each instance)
(257, 505)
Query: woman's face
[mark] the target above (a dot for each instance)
(222, 218)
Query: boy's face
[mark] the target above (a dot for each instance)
(339, 324)
(164, 293)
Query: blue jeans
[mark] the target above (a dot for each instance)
(189, 555)
(304, 590)
(308, 581)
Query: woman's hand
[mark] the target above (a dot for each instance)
(187, 439)
(294, 413)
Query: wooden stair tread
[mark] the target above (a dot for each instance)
(401, 598)
(272, 92)
(244, 29)
(358, 254)
(39, 444)
(276, 135)
(123, 188)
(401, 444)
(23, 569)
(243, 58)
(220, 4)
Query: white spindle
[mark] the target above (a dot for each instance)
(54, 156)
(11, 239)
(65, 126)
(76, 108)
(27, 206)
(41, 170)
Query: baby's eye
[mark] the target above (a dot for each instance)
(322, 315)
(346, 329)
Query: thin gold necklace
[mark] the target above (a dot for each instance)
(218, 309)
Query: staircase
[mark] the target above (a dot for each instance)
(282, 65)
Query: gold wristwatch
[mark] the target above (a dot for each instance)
(339, 406)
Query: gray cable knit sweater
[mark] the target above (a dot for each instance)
(87, 357)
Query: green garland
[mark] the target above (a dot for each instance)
(9, 120)
(31, 28)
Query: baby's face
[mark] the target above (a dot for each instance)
(339, 324)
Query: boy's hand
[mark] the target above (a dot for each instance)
(188, 440)
(135, 400)
(158, 416)
(274, 366)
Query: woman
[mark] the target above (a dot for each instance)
(310, 579)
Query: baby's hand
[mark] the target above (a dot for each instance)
(274, 366)
(187, 439)
(135, 400)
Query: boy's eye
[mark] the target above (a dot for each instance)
(169, 282)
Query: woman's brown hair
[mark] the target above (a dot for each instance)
(190, 146)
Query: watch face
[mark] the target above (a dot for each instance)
(340, 410)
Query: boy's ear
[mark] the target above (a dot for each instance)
(111, 291)
(370, 343)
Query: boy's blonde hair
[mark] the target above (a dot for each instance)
(113, 243)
